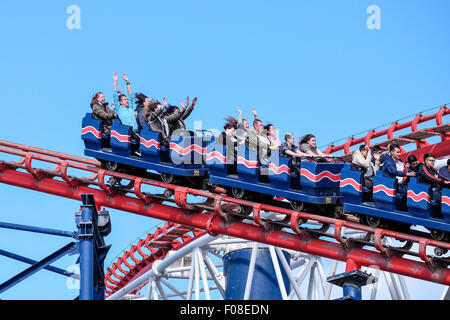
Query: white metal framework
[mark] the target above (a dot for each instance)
(195, 272)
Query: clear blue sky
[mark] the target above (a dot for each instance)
(306, 66)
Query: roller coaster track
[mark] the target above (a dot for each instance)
(416, 136)
(220, 214)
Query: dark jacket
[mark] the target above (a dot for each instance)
(142, 119)
(176, 121)
(105, 114)
(390, 168)
(430, 176)
(158, 123)
(444, 172)
(231, 146)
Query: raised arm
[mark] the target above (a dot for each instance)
(128, 83)
(115, 93)
(254, 113)
(240, 116)
(188, 111)
(115, 77)
(184, 106)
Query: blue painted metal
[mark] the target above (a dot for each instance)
(92, 250)
(264, 285)
(268, 189)
(317, 183)
(120, 140)
(320, 178)
(384, 192)
(150, 145)
(36, 267)
(86, 247)
(351, 186)
(445, 205)
(32, 262)
(351, 283)
(401, 216)
(186, 152)
(54, 232)
(91, 132)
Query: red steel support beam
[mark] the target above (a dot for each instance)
(327, 249)
(389, 131)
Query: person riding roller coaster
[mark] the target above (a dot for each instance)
(393, 167)
(429, 175)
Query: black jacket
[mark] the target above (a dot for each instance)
(430, 176)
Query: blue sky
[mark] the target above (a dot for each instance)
(306, 66)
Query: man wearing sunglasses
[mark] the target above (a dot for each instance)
(429, 175)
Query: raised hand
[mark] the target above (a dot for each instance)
(239, 110)
(115, 77)
(125, 77)
(194, 102)
(254, 113)
(165, 102)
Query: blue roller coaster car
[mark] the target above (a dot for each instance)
(332, 187)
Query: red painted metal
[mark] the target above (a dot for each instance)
(241, 230)
(389, 132)
(212, 217)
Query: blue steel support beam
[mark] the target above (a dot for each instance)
(54, 232)
(86, 247)
(92, 249)
(36, 267)
(32, 262)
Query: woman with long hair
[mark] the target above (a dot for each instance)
(101, 111)
(142, 102)
(308, 145)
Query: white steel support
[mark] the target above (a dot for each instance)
(276, 266)
(251, 269)
(204, 240)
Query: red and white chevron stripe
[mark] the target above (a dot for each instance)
(216, 155)
(279, 170)
(445, 200)
(382, 188)
(248, 163)
(184, 151)
(418, 197)
(351, 182)
(120, 137)
(335, 177)
(91, 129)
(150, 143)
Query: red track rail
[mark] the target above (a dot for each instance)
(169, 237)
(213, 216)
(417, 136)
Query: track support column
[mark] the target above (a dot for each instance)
(351, 281)
(92, 227)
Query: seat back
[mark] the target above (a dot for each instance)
(247, 164)
(120, 138)
(445, 204)
(91, 132)
(216, 159)
(279, 171)
(350, 185)
(418, 198)
(150, 144)
(186, 151)
(320, 178)
(384, 192)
